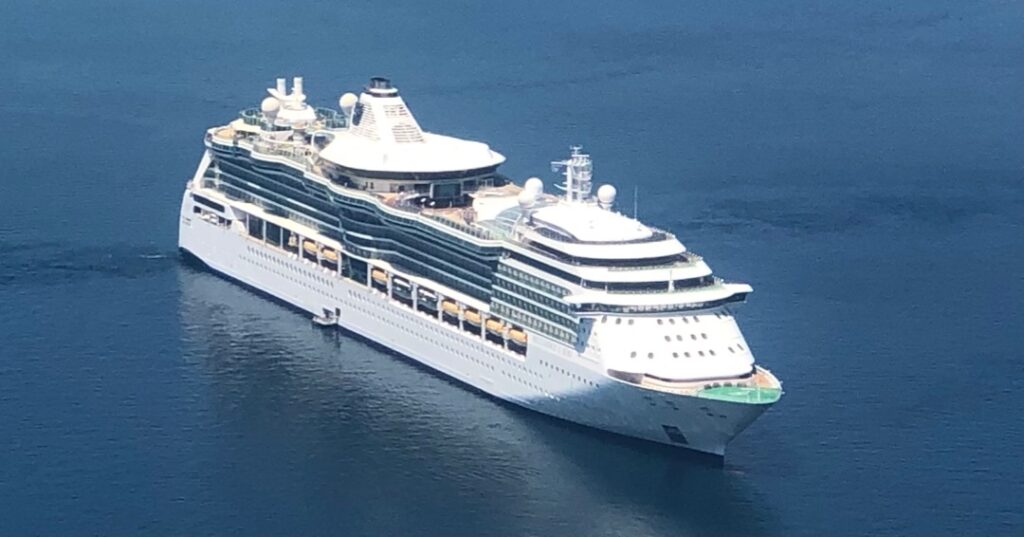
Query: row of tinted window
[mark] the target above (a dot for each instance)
(420, 263)
(300, 184)
(640, 287)
(242, 195)
(606, 308)
(523, 318)
(202, 200)
(477, 270)
(540, 298)
(538, 310)
(533, 281)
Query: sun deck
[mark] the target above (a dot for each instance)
(761, 387)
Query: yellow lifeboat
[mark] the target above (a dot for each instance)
(495, 325)
(450, 306)
(472, 316)
(379, 275)
(309, 246)
(517, 335)
(329, 254)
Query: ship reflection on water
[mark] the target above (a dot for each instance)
(349, 431)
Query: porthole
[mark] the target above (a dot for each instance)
(650, 355)
(703, 335)
(671, 321)
(667, 338)
(659, 321)
(693, 337)
(675, 355)
(701, 353)
(679, 337)
(712, 353)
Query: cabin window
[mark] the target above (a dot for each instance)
(445, 191)
(255, 227)
(208, 202)
(273, 234)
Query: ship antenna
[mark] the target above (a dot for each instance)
(636, 193)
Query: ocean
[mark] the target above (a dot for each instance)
(860, 164)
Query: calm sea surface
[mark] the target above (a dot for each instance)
(860, 163)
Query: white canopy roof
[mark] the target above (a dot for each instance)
(590, 223)
(434, 153)
(384, 136)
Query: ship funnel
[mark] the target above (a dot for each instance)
(281, 87)
(297, 87)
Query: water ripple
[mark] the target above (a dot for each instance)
(49, 262)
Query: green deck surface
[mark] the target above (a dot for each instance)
(742, 394)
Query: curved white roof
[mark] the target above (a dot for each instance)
(435, 153)
(590, 223)
(629, 250)
(682, 296)
(384, 136)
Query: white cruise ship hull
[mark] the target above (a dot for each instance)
(551, 378)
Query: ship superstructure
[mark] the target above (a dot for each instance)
(554, 301)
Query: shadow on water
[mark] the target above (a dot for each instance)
(346, 427)
(48, 263)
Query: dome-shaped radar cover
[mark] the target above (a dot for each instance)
(270, 106)
(347, 102)
(534, 185)
(606, 194)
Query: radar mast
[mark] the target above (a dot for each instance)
(578, 171)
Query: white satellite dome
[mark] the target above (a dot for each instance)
(347, 102)
(526, 199)
(606, 195)
(270, 107)
(534, 185)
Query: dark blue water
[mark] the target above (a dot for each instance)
(860, 163)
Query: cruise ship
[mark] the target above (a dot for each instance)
(545, 296)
